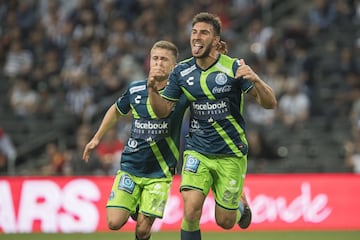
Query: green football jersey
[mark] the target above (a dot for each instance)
(216, 104)
(152, 150)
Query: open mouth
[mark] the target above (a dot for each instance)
(196, 48)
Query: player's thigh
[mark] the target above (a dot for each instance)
(193, 203)
(195, 173)
(125, 192)
(117, 217)
(224, 216)
(154, 197)
(229, 176)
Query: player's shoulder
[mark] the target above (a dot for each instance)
(185, 66)
(227, 60)
(138, 83)
(136, 86)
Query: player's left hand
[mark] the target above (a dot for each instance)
(246, 72)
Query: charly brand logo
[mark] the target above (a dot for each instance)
(137, 99)
(221, 78)
(190, 81)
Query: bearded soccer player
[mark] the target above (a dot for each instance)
(216, 148)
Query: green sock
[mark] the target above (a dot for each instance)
(190, 226)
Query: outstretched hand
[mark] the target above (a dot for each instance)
(246, 72)
(88, 148)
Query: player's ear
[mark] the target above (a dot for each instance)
(216, 42)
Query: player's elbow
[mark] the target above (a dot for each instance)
(162, 113)
(271, 104)
(164, 109)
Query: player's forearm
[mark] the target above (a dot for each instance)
(109, 120)
(265, 95)
(161, 106)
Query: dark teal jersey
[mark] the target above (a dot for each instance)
(153, 147)
(216, 103)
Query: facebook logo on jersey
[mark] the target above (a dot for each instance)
(212, 110)
(126, 184)
(191, 164)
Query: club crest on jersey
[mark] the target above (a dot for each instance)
(132, 143)
(221, 78)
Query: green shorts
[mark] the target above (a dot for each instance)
(150, 193)
(225, 175)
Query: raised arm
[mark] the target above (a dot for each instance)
(161, 106)
(109, 120)
(262, 92)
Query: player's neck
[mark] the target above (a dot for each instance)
(205, 63)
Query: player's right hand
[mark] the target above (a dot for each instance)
(158, 74)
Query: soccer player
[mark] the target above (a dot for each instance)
(216, 147)
(150, 156)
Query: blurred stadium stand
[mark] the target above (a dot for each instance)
(316, 147)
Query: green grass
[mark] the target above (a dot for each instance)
(273, 235)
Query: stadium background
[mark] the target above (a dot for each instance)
(76, 57)
(64, 62)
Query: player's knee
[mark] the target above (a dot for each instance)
(225, 223)
(192, 213)
(114, 225)
(143, 232)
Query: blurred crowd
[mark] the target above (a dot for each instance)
(63, 57)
